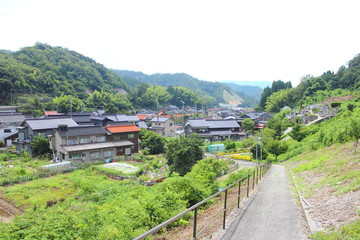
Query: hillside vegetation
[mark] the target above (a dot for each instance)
(219, 91)
(52, 71)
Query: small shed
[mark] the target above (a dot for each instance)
(216, 148)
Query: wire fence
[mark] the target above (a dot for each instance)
(207, 219)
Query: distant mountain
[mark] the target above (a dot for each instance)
(221, 92)
(250, 91)
(261, 84)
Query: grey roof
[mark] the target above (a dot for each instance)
(50, 123)
(12, 117)
(82, 119)
(93, 146)
(83, 131)
(159, 119)
(142, 124)
(123, 118)
(222, 124)
(198, 123)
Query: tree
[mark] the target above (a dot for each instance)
(298, 133)
(248, 124)
(67, 103)
(261, 153)
(40, 145)
(276, 147)
(182, 153)
(152, 141)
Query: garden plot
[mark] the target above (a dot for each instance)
(123, 167)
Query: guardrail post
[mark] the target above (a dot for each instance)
(253, 182)
(225, 203)
(195, 223)
(239, 191)
(248, 186)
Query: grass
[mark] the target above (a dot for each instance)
(349, 232)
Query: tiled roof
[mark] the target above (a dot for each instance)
(47, 113)
(222, 124)
(194, 123)
(12, 117)
(123, 118)
(94, 146)
(123, 128)
(83, 131)
(50, 123)
(142, 124)
(159, 119)
(142, 116)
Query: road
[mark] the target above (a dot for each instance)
(272, 214)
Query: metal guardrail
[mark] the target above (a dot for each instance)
(255, 177)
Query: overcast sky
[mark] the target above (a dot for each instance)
(260, 40)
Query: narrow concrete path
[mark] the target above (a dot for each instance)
(272, 214)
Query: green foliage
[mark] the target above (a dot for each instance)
(248, 124)
(112, 103)
(40, 145)
(229, 145)
(276, 148)
(350, 231)
(233, 177)
(298, 132)
(182, 153)
(54, 71)
(261, 153)
(152, 142)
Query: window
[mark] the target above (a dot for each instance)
(127, 151)
(100, 139)
(84, 140)
(7, 130)
(131, 135)
(72, 141)
(108, 153)
(95, 155)
(116, 137)
(170, 124)
(76, 156)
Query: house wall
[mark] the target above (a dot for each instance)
(6, 129)
(130, 136)
(169, 128)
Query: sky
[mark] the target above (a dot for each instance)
(228, 40)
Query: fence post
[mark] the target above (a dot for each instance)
(253, 182)
(195, 223)
(225, 203)
(239, 191)
(248, 185)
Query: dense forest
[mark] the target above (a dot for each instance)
(312, 89)
(52, 71)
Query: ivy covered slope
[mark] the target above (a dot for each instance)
(220, 91)
(53, 71)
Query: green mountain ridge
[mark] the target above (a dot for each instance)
(52, 71)
(220, 91)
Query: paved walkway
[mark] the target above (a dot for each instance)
(272, 215)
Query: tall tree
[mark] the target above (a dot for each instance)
(182, 153)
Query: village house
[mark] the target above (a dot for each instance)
(164, 126)
(215, 130)
(93, 143)
(8, 125)
(31, 128)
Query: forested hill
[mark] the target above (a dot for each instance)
(312, 89)
(52, 71)
(221, 92)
